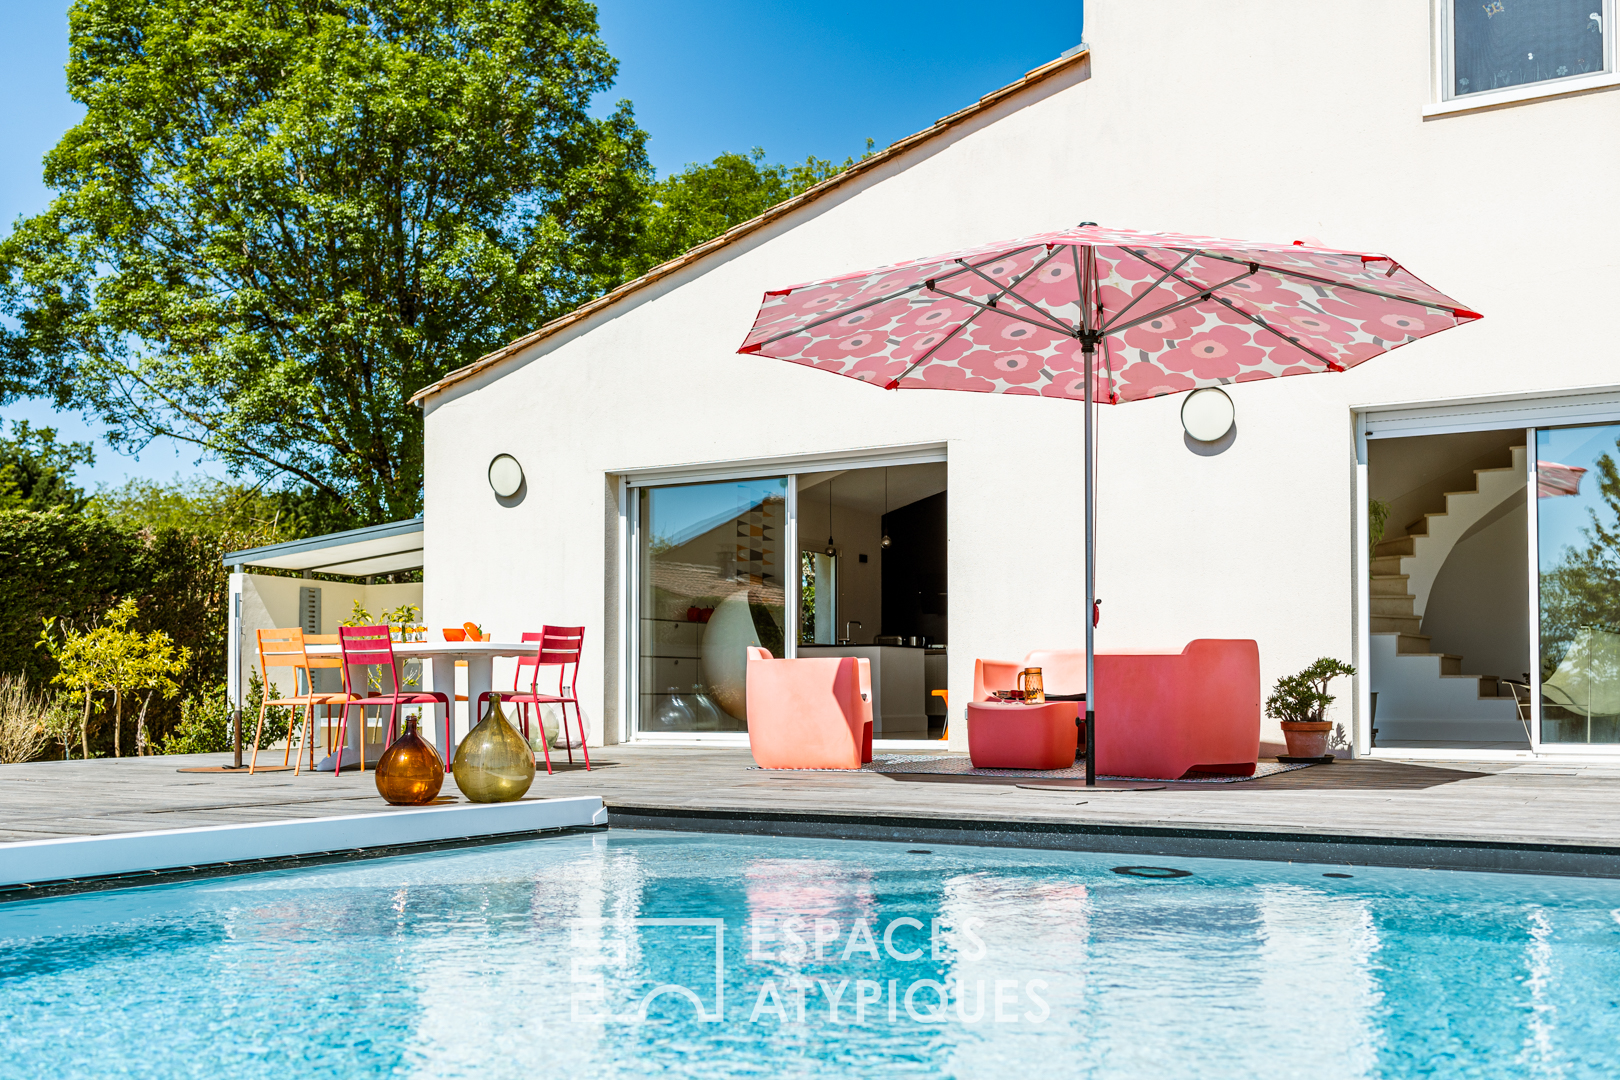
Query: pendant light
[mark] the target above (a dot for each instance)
(831, 550)
(885, 542)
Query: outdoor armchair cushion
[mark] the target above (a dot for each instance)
(810, 713)
(1160, 714)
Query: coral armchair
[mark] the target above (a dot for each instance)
(810, 713)
(1159, 713)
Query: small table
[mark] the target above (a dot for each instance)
(1018, 735)
(442, 656)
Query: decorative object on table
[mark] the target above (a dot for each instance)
(557, 647)
(401, 620)
(410, 772)
(1094, 296)
(493, 763)
(474, 632)
(1029, 684)
(1298, 703)
(455, 633)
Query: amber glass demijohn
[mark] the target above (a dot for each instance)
(493, 763)
(410, 772)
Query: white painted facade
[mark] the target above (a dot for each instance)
(1266, 119)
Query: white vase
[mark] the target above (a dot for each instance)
(726, 638)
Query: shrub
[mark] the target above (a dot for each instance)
(205, 721)
(23, 734)
(1303, 698)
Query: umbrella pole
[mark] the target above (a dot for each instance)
(1088, 350)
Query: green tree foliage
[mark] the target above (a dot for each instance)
(1583, 589)
(277, 220)
(703, 201)
(36, 471)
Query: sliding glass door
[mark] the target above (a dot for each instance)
(1578, 541)
(713, 565)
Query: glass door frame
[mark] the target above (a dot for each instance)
(630, 483)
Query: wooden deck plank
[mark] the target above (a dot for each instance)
(1440, 801)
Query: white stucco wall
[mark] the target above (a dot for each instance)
(1253, 118)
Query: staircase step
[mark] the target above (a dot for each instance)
(1489, 686)
(1393, 605)
(1389, 585)
(1412, 645)
(1396, 624)
(1420, 527)
(1450, 664)
(1401, 545)
(1386, 566)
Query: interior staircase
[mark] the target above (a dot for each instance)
(1425, 694)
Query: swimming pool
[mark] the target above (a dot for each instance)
(646, 953)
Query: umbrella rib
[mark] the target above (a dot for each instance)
(838, 315)
(1066, 331)
(894, 383)
(1330, 282)
(1210, 293)
(1120, 314)
(1019, 280)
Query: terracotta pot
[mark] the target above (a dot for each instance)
(1307, 738)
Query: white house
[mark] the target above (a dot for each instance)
(1471, 141)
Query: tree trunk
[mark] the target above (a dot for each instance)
(84, 725)
(140, 726)
(118, 720)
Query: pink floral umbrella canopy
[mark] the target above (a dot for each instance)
(1155, 314)
(1170, 312)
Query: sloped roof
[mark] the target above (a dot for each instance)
(780, 210)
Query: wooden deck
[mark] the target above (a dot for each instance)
(1546, 817)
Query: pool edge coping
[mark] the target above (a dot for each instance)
(1191, 841)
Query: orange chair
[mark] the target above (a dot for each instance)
(1160, 714)
(285, 649)
(810, 713)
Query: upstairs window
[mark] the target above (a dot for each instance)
(1501, 44)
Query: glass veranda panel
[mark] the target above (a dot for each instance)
(1578, 525)
(713, 569)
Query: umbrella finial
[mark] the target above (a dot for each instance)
(1084, 224)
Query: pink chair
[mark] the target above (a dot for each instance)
(371, 646)
(560, 647)
(811, 713)
(1160, 714)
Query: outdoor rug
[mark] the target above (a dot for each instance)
(961, 765)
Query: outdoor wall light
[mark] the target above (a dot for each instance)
(1207, 414)
(505, 475)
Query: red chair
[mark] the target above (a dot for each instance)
(370, 646)
(560, 648)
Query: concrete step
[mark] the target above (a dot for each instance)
(1396, 624)
(1401, 545)
(1392, 605)
(1386, 566)
(1389, 585)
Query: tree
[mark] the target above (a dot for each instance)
(278, 220)
(703, 201)
(36, 471)
(1582, 591)
(114, 659)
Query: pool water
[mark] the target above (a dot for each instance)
(644, 953)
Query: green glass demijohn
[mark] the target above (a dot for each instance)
(493, 763)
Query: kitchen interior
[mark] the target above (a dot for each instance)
(873, 584)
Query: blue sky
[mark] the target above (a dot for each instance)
(706, 76)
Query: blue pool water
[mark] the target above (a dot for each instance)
(662, 954)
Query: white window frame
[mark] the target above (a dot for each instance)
(1588, 405)
(632, 480)
(1445, 101)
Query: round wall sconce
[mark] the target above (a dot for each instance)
(1207, 414)
(505, 475)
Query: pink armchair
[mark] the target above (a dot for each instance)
(814, 713)
(1159, 714)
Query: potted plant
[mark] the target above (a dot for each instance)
(1299, 701)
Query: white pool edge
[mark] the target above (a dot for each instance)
(30, 861)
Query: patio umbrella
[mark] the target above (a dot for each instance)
(1142, 314)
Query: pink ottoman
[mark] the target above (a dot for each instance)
(1012, 735)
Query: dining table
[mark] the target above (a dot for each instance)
(439, 670)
